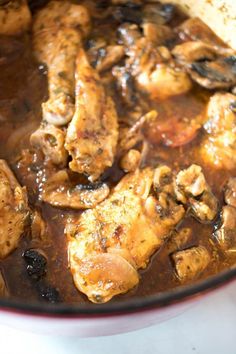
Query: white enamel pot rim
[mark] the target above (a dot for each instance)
(131, 305)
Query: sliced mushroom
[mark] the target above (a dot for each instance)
(179, 239)
(38, 228)
(126, 85)
(167, 207)
(226, 234)
(216, 74)
(109, 56)
(50, 140)
(128, 33)
(61, 192)
(158, 34)
(192, 189)
(210, 66)
(191, 51)
(190, 263)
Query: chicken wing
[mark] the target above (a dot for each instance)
(108, 244)
(14, 210)
(58, 51)
(219, 145)
(15, 17)
(56, 40)
(93, 132)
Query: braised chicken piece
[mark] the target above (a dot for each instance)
(60, 191)
(15, 17)
(62, 14)
(14, 210)
(62, 46)
(50, 140)
(93, 132)
(192, 189)
(108, 244)
(190, 263)
(56, 41)
(218, 145)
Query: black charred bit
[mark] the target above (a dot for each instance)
(48, 293)
(36, 264)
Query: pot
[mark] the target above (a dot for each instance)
(130, 314)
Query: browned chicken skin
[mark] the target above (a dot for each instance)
(93, 132)
(15, 17)
(219, 144)
(108, 244)
(57, 33)
(14, 210)
(56, 42)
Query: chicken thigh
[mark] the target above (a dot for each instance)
(108, 244)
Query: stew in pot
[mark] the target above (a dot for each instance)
(117, 147)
